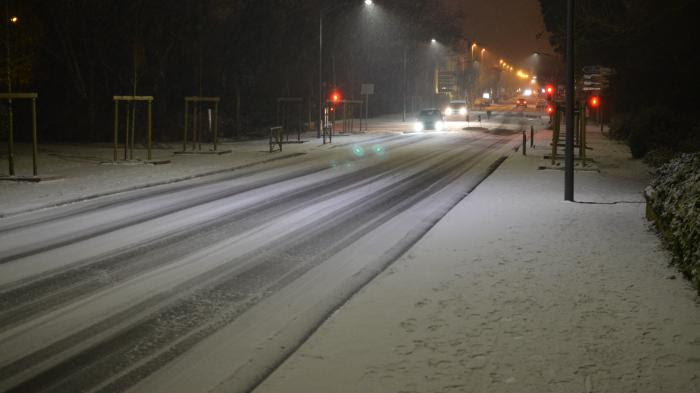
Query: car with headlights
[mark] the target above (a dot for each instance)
(430, 119)
(456, 109)
(521, 102)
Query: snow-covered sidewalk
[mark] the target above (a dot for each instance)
(518, 291)
(86, 171)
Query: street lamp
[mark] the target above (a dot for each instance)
(11, 20)
(322, 13)
(570, 91)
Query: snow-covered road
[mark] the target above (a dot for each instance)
(180, 287)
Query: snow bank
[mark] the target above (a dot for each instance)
(674, 201)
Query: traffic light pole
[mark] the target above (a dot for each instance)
(570, 95)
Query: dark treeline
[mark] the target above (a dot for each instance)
(654, 49)
(79, 53)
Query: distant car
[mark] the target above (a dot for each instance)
(521, 102)
(456, 109)
(430, 119)
(482, 102)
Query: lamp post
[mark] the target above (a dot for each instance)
(9, 20)
(569, 154)
(555, 59)
(403, 86)
(322, 13)
(10, 142)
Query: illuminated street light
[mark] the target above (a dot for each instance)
(522, 75)
(433, 41)
(14, 19)
(322, 13)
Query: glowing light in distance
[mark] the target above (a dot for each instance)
(594, 102)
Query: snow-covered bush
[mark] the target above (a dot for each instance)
(676, 203)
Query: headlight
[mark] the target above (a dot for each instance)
(439, 126)
(418, 126)
(463, 111)
(448, 112)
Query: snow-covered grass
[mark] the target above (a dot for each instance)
(85, 171)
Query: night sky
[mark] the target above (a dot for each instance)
(508, 27)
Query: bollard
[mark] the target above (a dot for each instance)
(532, 136)
(524, 143)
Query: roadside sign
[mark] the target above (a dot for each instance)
(596, 78)
(598, 70)
(367, 89)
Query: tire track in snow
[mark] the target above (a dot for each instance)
(87, 276)
(219, 297)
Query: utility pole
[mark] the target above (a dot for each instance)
(570, 95)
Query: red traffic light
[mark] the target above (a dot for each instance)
(550, 110)
(550, 90)
(594, 102)
(335, 97)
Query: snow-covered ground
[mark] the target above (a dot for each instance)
(82, 171)
(198, 281)
(518, 291)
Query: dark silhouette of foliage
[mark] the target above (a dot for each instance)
(82, 52)
(651, 46)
